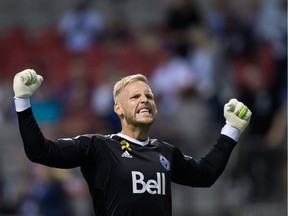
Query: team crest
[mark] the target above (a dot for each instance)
(165, 163)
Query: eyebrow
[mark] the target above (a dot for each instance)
(135, 92)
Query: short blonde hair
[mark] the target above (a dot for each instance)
(121, 84)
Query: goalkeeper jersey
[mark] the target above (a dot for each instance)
(125, 178)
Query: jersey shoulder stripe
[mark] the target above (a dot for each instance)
(163, 144)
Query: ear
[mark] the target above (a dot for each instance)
(118, 109)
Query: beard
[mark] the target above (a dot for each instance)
(139, 121)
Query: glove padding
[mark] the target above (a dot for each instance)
(26, 82)
(231, 112)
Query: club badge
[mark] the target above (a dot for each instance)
(165, 163)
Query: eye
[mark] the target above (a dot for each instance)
(150, 96)
(135, 96)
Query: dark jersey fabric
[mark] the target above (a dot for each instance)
(124, 178)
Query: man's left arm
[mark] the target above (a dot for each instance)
(204, 172)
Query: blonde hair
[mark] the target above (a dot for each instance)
(121, 84)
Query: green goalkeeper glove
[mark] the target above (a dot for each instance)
(237, 114)
(26, 82)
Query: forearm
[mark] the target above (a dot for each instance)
(32, 137)
(213, 164)
(30, 132)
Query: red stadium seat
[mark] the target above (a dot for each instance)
(16, 51)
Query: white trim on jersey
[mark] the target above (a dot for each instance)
(231, 132)
(142, 143)
(22, 104)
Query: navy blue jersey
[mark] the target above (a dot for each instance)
(125, 178)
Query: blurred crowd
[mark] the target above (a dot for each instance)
(196, 60)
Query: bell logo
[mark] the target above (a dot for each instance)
(152, 186)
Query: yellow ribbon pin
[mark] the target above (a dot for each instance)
(125, 145)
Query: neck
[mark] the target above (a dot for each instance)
(136, 133)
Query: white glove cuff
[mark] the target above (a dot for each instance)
(231, 132)
(22, 104)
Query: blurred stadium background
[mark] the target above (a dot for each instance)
(197, 54)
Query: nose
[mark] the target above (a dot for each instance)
(143, 99)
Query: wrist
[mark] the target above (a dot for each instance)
(231, 132)
(21, 104)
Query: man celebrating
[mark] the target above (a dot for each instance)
(128, 173)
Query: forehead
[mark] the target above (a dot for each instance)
(137, 87)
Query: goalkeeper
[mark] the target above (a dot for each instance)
(128, 173)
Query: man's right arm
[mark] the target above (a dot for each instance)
(61, 153)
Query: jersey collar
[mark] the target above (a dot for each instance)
(138, 142)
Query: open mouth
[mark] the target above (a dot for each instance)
(143, 111)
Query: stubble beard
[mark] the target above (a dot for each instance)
(131, 120)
